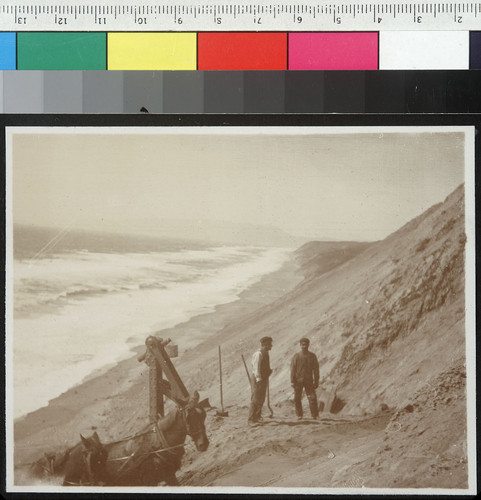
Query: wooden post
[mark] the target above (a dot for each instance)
(158, 387)
(160, 394)
(158, 361)
(156, 396)
(174, 389)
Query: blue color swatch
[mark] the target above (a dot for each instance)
(8, 51)
(475, 50)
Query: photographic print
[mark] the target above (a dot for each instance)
(240, 309)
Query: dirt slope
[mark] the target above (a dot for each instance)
(388, 328)
(319, 257)
(387, 324)
(393, 313)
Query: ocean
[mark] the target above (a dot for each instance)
(82, 301)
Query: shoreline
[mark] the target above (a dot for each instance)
(93, 331)
(95, 403)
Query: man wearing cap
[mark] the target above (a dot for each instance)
(305, 375)
(261, 371)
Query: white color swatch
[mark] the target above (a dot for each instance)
(424, 50)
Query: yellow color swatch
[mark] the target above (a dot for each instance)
(152, 51)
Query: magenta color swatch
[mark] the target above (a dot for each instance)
(333, 51)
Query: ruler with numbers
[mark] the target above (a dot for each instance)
(240, 15)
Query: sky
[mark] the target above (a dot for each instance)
(349, 186)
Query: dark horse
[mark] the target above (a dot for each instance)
(154, 455)
(81, 465)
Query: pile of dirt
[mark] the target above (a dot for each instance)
(425, 442)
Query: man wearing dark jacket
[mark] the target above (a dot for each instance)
(305, 375)
(261, 371)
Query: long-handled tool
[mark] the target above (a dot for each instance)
(221, 413)
(268, 397)
(268, 401)
(247, 370)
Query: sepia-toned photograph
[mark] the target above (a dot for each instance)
(240, 309)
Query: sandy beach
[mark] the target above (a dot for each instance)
(115, 403)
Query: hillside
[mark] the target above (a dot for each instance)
(387, 323)
(388, 328)
(396, 309)
(319, 257)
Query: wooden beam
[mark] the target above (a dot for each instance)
(177, 392)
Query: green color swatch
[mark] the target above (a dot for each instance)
(62, 51)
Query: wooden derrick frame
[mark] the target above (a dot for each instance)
(159, 363)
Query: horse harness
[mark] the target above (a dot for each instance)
(191, 432)
(87, 459)
(174, 450)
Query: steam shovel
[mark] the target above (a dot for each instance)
(221, 413)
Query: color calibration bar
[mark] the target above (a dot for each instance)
(241, 51)
(114, 92)
(240, 15)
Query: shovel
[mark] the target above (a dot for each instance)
(221, 413)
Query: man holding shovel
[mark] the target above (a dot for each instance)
(261, 371)
(305, 375)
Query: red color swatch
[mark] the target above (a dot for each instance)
(242, 51)
(342, 51)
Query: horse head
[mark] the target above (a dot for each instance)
(194, 417)
(94, 458)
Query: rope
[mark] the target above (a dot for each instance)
(148, 453)
(32, 447)
(163, 441)
(131, 437)
(134, 435)
(155, 430)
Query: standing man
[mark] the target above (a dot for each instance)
(261, 371)
(305, 375)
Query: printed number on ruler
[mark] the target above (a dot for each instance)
(241, 15)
